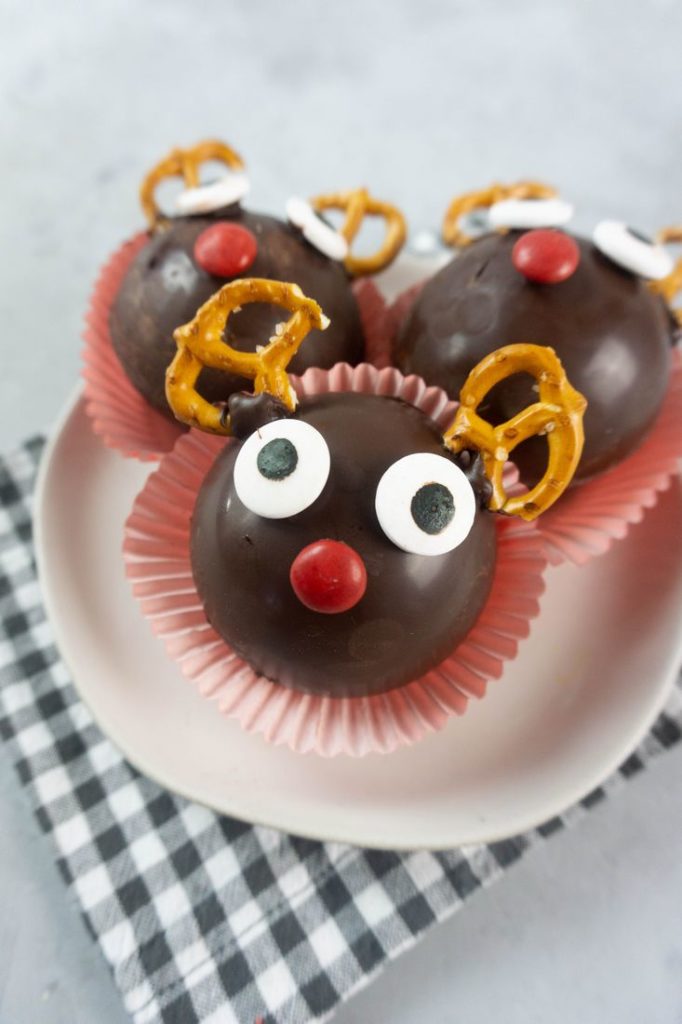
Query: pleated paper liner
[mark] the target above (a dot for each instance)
(119, 414)
(156, 552)
(589, 517)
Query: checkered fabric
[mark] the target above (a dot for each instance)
(201, 917)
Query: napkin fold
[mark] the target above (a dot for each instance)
(203, 918)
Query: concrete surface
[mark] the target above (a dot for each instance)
(420, 100)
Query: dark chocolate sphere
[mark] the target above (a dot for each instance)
(416, 608)
(164, 287)
(612, 334)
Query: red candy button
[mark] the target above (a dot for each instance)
(225, 249)
(328, 576)
(546, 256)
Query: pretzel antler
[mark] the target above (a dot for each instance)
(200, 344)
(668, 287)
(185, 164)
(483, 198)
(558, 415)
(358, 204)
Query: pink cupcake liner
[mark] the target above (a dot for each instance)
(120, 416)
(374, 316)
(587, 519)
(156, 553)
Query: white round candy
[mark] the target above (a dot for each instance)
(314, 229)
(529, 213)
(298, 211)
(278, 499)
(393, 502)
(617, 241)
(207, 198)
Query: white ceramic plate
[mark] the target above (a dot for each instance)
(585, 687)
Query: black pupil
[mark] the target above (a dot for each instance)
(640, 236)
(277, 459)
(432, 508)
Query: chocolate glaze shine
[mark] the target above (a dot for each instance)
(248, 412)
(611, 333)
(416, 609)
(164, 287)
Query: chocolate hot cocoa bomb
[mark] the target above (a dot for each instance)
(165, 284)
(611, 332)
(415, 607)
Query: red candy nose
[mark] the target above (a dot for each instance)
(225, 249)
(546, 256)
(328, 576)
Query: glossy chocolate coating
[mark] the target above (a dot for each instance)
(247, 412)
(164, 287)
(416, 608)
(611, 333)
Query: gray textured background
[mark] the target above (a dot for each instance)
(419, 100)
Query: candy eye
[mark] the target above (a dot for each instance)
(425, 504)
(206, 198)
(631, 250)
(314, 229)
(281, 469)
(529, 213)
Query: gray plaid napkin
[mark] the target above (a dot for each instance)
(202, 917)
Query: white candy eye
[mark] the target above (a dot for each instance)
(314, 229)
(425, 504)
(207, 198)
(281, 468)
(631, 250)
(529, 213)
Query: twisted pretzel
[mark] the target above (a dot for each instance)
(200, 344)
(669, 286)
(185, 164)
(483, 198)
(558, 414)
(357, 204)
